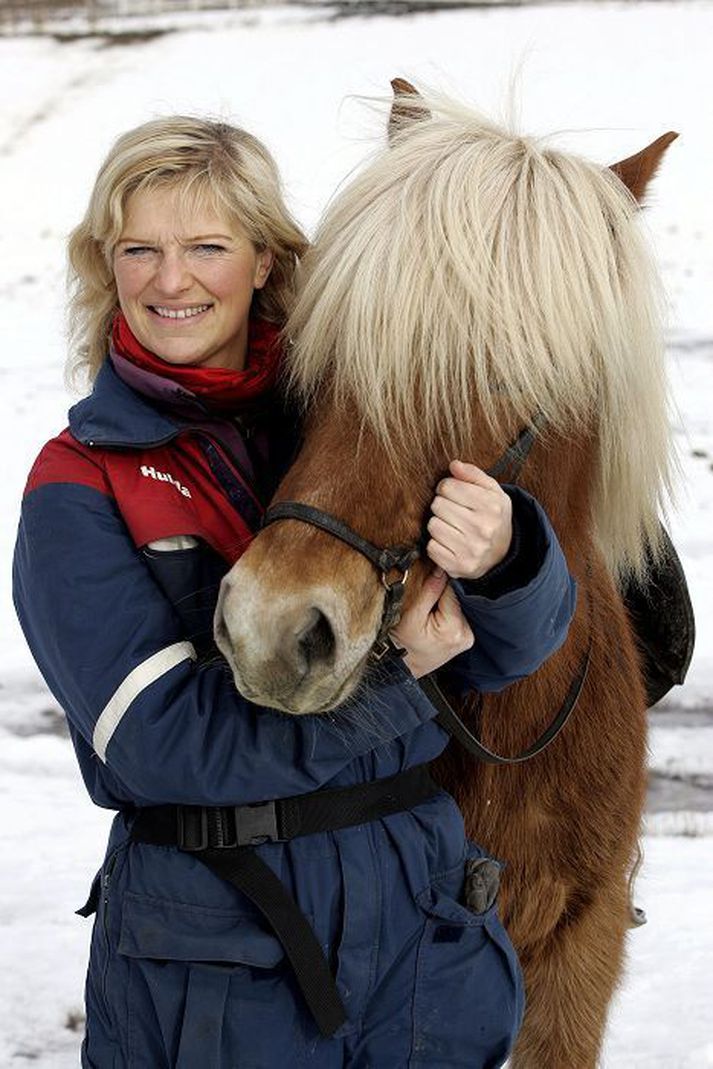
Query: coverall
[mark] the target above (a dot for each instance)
(130, 518)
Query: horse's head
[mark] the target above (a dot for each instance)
(466, 284)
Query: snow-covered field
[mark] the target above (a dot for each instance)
(610, 77)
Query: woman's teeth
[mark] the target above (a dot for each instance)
(179, 313)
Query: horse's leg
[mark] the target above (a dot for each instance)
(570, 978)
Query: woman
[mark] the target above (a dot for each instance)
(184, 269)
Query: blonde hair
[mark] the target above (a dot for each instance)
(207, 162)
(469, 271)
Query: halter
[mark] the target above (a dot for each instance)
(399, 558)
(396, 558)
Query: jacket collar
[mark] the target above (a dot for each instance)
(115, 415)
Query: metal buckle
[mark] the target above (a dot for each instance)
(380, 649)
(192, 828)
(401, 581)
(256, 824)
(386, 645)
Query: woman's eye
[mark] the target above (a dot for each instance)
(137, 250)
(208, 250)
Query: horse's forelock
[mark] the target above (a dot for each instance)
(465, 264)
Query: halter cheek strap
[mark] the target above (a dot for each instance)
(513, 459)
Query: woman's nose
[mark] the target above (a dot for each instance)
(172, 276)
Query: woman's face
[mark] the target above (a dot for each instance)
(185, 280)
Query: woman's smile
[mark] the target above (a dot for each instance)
(179, 315)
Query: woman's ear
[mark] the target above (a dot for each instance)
(263, 268)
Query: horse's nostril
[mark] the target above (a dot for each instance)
(317, 643)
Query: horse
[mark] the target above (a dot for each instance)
(469, 286)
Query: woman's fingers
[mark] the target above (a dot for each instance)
(449, 620)
(471, 525)
(433, 629)
(471, 473)
(441, 556)
(428, 596)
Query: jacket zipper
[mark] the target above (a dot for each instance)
(130, 445)
(232, 462)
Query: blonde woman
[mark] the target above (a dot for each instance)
(183, 271)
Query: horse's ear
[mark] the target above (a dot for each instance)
(637, 171)
(404, 111)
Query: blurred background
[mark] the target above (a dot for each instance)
(604, 79)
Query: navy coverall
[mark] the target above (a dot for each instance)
(125, 532)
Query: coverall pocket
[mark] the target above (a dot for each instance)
(468, 999)
(109, 1057)
(199, 979)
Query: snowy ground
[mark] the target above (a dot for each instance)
(611, 77)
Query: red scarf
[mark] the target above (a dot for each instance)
(218, 387)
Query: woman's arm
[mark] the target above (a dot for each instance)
(112, 651)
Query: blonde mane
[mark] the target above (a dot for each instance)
(467, 266)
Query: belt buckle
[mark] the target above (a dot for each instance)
(256, 824)
(192, 828)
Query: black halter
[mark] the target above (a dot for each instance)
(514, 457)
(398, 559)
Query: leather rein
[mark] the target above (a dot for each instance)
(398, 559)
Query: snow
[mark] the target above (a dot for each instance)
(682, 753)
(50, 851)
(661, 1019)
(610, 77)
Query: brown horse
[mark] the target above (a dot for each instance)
(470, 283)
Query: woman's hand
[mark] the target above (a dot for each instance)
(471, 525)
(433, 629)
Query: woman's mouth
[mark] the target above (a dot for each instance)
(173, 314)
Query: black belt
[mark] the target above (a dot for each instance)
(222, 837)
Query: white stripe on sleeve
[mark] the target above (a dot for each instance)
(137, 680)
